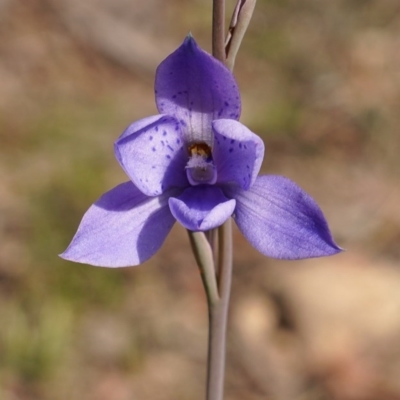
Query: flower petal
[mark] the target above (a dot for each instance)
(238, 153)
(152, 153)
(200, 208)
(195, 88)
(281, 220)
(123, 228)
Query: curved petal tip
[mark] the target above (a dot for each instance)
(123, 228)
(282, 221)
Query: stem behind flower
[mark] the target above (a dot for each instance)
(218, 30)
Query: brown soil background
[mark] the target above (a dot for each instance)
(320, 82)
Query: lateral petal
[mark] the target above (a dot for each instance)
(153, 155)
(203, 207)
(123, 228)
(281, 220)
(238, 153)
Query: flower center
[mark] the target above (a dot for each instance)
(200, 168)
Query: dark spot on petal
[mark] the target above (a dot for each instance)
(245, 146)
(168, 156)
(240, 145)
(164, 133)
(178, 141)
(153, 167)
(232, 141)
(223, 137)
(182, 122)
(162, 142)
(170, 148)
(226, 104)
(248, 166)
(174, 96)
(157, 128)
(230, 150)
(151, 138)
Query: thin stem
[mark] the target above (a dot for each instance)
(218, 30)
(205, 260)
(240, 21)
(219, 278)
(218, 316)
(225, 259)
(218, 294)
(212, 238)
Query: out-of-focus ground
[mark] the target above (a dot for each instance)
(320, 82)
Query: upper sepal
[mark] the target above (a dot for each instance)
(196, 89)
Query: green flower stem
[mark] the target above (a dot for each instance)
(217, 276)
(205, 261)
(218, 30)
(218, 316)
(217, 287)
(240, 21)
(218, 311)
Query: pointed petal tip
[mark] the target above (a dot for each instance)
(282, 221)
(331, 249)
(337, 249)
(72, 254)
(190, 43)
(68, 255)
(123, 228)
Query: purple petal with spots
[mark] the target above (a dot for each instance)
(196, 89)
(281, 220)
(154, 156)
(238, 153)
(123, 228)
(201, 208)
(143, 123)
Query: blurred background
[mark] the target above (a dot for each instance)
(320, 82)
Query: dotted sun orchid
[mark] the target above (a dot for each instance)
(197, 164)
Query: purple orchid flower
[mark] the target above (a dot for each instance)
(195, 163)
